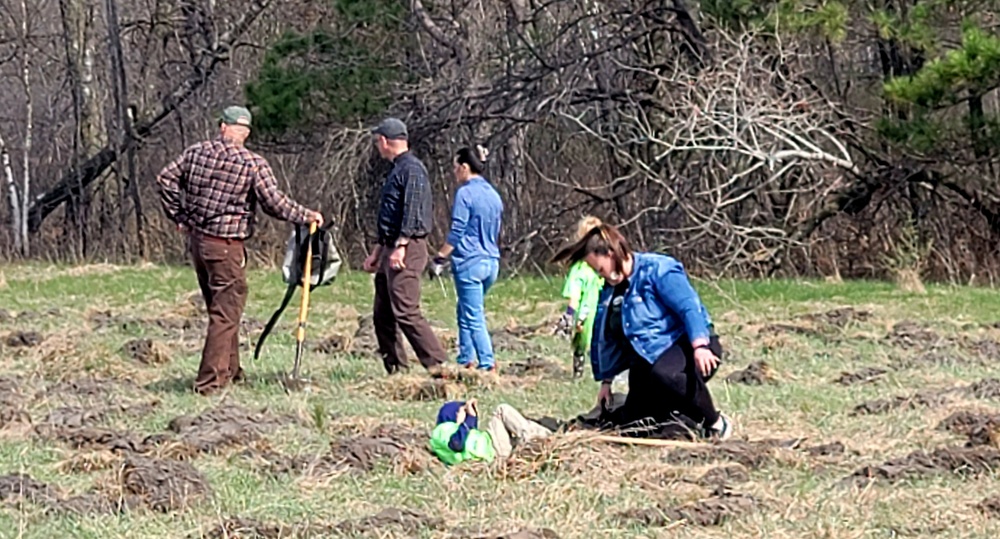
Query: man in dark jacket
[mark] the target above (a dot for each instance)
(212, 191)
(404, 221)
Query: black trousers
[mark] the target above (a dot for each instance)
(673, 384)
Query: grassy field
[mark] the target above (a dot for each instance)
(97, 362)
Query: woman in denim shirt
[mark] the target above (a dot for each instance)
(476, 217)
(650, 321)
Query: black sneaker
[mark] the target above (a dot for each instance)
(722, 433)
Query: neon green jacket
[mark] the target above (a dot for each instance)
(478, 444)
(584, 285)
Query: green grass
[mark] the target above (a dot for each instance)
(798, 496)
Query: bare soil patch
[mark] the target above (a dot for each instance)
(142, 482)
(146, 351)
(724, 475)
(399, 446)
(526, 533)
(222, 427)
(921, 399)
(963, 461)
(389, 519)
(534, 366)
(990, 507)
(708, 512)
(163, 485)
(866, 375)
(389, 522)
(752, 455)
(757, 373)
(23, 339)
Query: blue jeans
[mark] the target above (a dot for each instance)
(471, 285)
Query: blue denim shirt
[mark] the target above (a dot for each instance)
(475, 223)
(659, 307)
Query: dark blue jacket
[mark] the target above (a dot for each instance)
(659, 307)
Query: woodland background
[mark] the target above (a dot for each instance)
(748, 138)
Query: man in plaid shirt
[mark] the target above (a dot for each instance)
(212, 191)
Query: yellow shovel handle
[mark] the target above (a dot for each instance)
(306, 281)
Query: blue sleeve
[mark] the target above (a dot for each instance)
(606, 358)
(457, 441)
(460, 212)
(675, 291)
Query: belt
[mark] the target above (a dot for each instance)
(215, 239)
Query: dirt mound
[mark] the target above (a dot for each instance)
(387, 523)
(757, 373)
(163, 485)
(334, 344)
(400, 446)
(839, 317)
(87, 390)
(753, 455)
(864, 376)
(964, 461)
(780, 328)
(74, 417)
(527, 533)
(11, 402)
(23, 339)
(18, 488)
(94, 438)
(826, 450)
(988, 388)
(987, 349)
(990, 506)
(921, 399)
(979, 428)
(146, 351)
(708, 512)
(6, 316)
(398, 520)
(248, 528)
(222, 427)
(533, 366)
(724, 475)
(910, 335)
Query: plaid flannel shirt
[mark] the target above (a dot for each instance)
(214, 188)
(406, 206)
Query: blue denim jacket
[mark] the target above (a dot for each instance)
(476, 218)
(660, 306)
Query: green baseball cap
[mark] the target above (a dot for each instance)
(236, 115)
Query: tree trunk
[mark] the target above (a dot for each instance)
(13, 199)
(28, 128)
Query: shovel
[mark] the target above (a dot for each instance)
(300, 334)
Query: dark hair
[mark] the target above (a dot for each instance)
(474, 157)
(601, 240)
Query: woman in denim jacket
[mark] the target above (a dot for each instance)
(476, 217)
(650, 321)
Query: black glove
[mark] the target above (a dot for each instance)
(438, 265)
(565, 325)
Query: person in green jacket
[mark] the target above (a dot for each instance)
(582, 287)
(457, 438)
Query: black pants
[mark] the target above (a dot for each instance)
(672, 384)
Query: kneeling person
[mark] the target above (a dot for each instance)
(457, 437)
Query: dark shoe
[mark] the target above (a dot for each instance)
(722, 431)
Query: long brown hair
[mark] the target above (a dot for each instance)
(603, 239)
